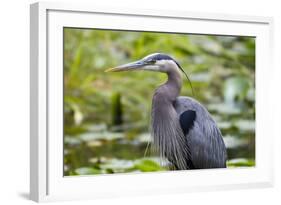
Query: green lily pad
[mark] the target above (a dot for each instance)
(246, 125)
(240, 162)
(235, 89)
(147, 165)
(234, 141)
(224, 108)
(87, 171)
(117, 165)
(89, 136)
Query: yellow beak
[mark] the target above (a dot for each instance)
(127, 67)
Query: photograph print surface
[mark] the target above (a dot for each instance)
(122, 107)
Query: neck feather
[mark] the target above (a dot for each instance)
(171, 88)
(167, 134)
(174, 84)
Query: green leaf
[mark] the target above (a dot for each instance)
(246, 125)
(147, 165)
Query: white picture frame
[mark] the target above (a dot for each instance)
(47, 182)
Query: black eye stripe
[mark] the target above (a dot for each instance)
(151, 61)
(160, 56)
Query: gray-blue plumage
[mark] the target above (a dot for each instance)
(204, 138)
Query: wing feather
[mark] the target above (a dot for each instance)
(204, 139)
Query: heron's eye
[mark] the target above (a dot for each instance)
(151, 61)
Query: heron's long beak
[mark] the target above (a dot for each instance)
(128, 66)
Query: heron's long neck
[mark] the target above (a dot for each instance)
(164, 97)
(170, 90)
(173, 84)
(167, 134)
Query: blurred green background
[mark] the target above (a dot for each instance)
(107, 115)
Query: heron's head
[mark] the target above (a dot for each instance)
(154, 62)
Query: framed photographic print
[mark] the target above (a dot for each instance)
(122, 97)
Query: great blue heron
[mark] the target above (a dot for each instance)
(183, 130)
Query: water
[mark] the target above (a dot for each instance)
(112, 152)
